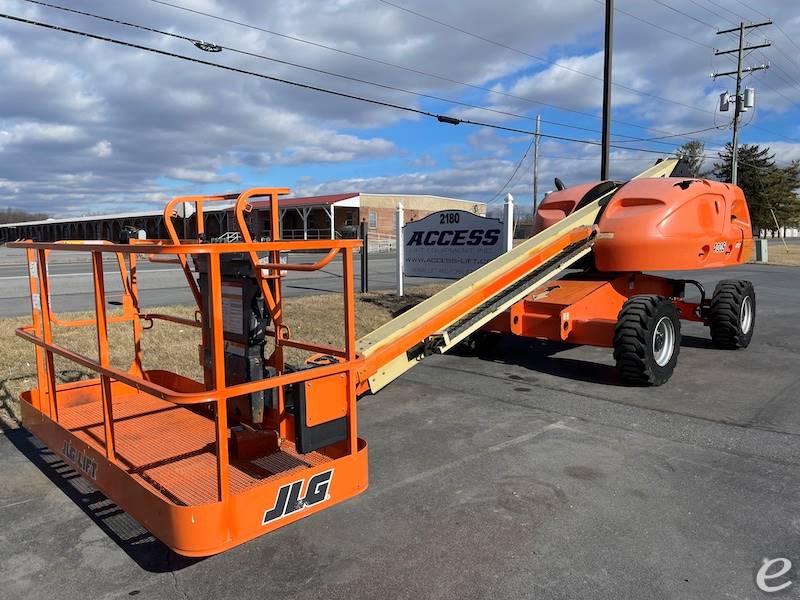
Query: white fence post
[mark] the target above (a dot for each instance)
(400, 247)
(508, 221)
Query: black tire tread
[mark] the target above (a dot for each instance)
(631, 339)
(724, 314)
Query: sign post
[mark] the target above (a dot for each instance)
(400, 248)
(508, 221)
(363, 230)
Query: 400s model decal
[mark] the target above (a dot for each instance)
(289, 501)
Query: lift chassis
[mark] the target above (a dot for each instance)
(615, 311)
(671, 223)
(256, 443)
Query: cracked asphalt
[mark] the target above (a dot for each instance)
(528, 472)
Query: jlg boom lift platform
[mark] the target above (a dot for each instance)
(206, 465)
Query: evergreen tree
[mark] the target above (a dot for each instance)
(766, 186)
(693, 151)
(786, 202)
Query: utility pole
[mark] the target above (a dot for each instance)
(606, 135)
(536, 165)
(742, 102)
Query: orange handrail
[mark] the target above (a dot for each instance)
(301, 267)
(175, 396)
(128, 312)
(197, 248)
(170, 387)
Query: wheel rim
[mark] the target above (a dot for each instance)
(663, 341)
(746, 315)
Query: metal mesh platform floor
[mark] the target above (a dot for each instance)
(172, 450)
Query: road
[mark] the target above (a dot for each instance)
(530, 472)
(163, 285)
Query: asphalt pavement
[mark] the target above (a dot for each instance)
(528, 472)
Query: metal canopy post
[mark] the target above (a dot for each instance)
(304, 213)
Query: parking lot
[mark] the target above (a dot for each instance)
(529, 471)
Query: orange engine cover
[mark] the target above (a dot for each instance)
(673, 223)
(558, 205)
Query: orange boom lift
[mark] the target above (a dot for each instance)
(258, 443)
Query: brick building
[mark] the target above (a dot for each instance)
(315, 217)
(322, 217)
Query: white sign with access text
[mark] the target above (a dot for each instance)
(451, 243)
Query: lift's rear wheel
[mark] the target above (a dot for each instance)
(732, 314)
(647, 340)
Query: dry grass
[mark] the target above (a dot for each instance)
(784, 255)
(175, 347)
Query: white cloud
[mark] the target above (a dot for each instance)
(102, 149)
(785, 152)
(68, 102)
(34, 133)
(200, 176)
(330, 148)
(424, 160)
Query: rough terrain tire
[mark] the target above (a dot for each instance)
(732, 314)
(647, 340)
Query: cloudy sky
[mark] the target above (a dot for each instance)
(87, 127)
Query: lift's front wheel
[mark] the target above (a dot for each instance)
(732, 314)
(647, 340)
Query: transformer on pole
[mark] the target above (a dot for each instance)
(743, 100)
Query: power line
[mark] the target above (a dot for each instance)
(657, 26)
(414, 70)
(788, 37)
(521, 161)
(441, 118)
(789, 58)
(287, 63)
(740, 101)
(218, 47)
(777, 66)
(740, 15)
(777, 73)
(785, 77)
(755, 10)
(685, 14)
(441, 77)
(782, 95)
(716, 14)
(219, 66)
(438, 117)
(685, 133)
(616, 159)
(516, 170)
(752, 25)
(544, 60)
